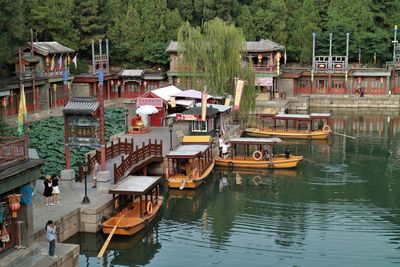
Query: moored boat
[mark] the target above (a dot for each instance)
(294, 130)
(261, 158)
(137, 201)
(189, 164)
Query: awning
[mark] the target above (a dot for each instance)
(264, 81)
(185, 102)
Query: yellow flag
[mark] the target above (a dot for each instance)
(22, 112)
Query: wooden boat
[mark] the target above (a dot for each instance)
(297, 120)
(137, 200)
(189, 164)
(262, 158)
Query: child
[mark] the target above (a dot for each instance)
(48, 190)
(55, 180)
(51, 237)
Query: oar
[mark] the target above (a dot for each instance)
(184, 183)
(105, 245)
(345, 135)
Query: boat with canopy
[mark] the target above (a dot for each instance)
(296, 126)
(258, 153)
(189, 164)
(137, 201)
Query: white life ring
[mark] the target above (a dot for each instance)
(326, 128)
(257, 155)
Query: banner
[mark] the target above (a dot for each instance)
(239, 84)
(263, 81)
(22, 112)
(204, 96)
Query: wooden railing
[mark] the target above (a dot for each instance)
(12, 150)
(139, 154)
(112, 151)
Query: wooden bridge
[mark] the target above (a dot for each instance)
(131, 158)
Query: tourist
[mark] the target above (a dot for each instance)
(95, 172)
(220, 142)
(224, 150)
(51, 237)
(266, 154)
(362, 91)
(287, 153)
(55, 183)
(48, 190)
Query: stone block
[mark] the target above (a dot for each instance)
(67, 179)
(89, 227)
(104, 180)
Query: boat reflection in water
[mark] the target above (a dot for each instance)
(134, 250)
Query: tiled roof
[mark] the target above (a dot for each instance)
(131, 73)
(45, 48)
(264, 45)
(80, 107)
(197, 110)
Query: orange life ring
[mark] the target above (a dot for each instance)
(326, 128)
(149, 208)
(255, 153)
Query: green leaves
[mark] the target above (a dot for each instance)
(47, 136)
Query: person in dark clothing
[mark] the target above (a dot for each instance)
(48, 191)
(362, 91)
(287, 153)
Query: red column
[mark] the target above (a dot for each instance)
(102, 131)
(66, 130)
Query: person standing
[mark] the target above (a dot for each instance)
(51, 237)
(95, 171)
(55, 183)
(224, 150)
(220, 143)
(48, 190)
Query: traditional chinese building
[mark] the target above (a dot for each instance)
(266, 56)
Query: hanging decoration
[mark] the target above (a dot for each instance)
(14, 201)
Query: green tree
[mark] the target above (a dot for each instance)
(246, 23)
(305, 22)
(52, 21)
(13, 31)
(214, 50)
(126, 38)
(89, 21)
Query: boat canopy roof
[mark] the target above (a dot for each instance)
(135, 185)
(197, 139)
(255, 141)
(305, 117)
(188, 151)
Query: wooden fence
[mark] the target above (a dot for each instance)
(136, 156)
(12, 150)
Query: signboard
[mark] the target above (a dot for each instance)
(263, 81)
(204, 96)
(187, 117)
(156, 102)
(239, 84)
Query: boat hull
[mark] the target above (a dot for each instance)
(313, 135)
(249, 162)
(191, 183)
(131, 223)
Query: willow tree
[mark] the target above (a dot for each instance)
(212, 55)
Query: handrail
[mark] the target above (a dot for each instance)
(135, 156)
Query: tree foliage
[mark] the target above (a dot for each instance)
(214, 50)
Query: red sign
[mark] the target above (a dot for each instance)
(187, 117)
(156, 102)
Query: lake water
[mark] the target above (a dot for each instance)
(339, 207)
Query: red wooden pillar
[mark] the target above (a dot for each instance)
(102, 130)
(66, 128)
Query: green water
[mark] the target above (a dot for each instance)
(340, 207)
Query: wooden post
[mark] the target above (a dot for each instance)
(102, 127)
(115, 173)
(122, 165)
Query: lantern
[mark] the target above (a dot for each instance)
(145, 83)
(118, 82)
(14, 200)
(381, 80)
(47, 60)
(259, 57)
(112, 82)
(4, 102)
